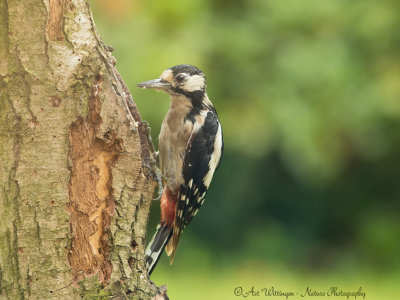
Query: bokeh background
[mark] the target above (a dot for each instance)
(308, 93)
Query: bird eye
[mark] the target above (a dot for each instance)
(180, 78)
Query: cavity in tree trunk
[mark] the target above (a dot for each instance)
(76, 177)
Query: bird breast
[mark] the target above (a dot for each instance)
(174, 135)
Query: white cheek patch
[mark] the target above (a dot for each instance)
(194, 83)
(167, 76)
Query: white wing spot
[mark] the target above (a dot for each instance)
(215, 157)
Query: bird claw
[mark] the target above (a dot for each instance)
(155, 163)
(158, 198)
(153, 152)
(159, 184)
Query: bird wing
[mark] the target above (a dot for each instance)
(201, 159)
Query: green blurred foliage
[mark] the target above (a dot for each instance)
(309, 97)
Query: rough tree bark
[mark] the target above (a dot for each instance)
(76, 176)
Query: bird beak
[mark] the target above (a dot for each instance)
(157, 84)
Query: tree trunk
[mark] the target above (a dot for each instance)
(76, 177)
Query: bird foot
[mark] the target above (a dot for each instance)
(154, 164)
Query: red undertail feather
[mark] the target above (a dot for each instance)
(168, 206)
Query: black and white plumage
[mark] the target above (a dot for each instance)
(190, 150)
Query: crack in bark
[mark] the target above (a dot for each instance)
(13, 170)
(13, 189)
(64, 287)
(1, 279)
(26, 82)
(121, 267)
(6, 26)
(46, 49)
(16, 261)
(54, 24)
(28, 281)
(37, 229)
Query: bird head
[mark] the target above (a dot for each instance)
(184, 80)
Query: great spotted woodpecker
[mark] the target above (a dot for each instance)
(190, 149)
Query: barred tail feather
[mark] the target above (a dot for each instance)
(157, 245)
